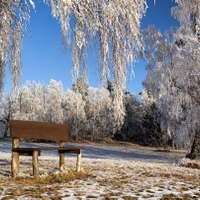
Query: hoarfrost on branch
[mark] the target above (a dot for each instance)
(173, 80)
(14, 16)
(113, 26)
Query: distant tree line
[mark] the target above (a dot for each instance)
(89, 113)
(87, 110)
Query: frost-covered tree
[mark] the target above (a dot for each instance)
(74, 113)
(89, 118)
(22, 103)
(41, 101)
(14, 16)
(35, 102)
(150, 119)
(188, 14)
(54, 101)
(100, 123)
(173, 79)
(131, 129)
(106, 114)
(93, 112)
(18, 105)
(81, 86)
(113, 26)
(7, 110)
(98, 108)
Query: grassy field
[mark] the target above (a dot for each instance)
(108, 172)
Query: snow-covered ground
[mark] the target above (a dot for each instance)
(119, 171)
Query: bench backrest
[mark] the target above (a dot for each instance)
(39, 130)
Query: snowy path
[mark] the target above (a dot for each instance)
(117, 172)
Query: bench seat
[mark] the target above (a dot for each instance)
(59, 149)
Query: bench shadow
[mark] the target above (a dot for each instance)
(130, 154)
(5, 166)
(96, 151)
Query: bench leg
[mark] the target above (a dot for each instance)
(78, 164)
(35, 164)
(62, 161)
(15, 158)
(62, 158)
(15, 164)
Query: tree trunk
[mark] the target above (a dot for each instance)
(194, 150)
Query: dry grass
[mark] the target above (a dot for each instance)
(193, 165)
(175, 197)
(35, 187)
(48, 180)
(107, 179)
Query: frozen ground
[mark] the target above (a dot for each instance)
(117, 172)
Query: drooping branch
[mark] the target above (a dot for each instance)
(14, 16)
(112, 25)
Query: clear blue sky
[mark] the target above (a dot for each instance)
(44, 60)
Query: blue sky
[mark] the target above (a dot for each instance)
(44, 60)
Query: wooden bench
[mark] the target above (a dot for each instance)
(40, 131)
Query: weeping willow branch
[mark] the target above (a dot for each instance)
(14, 16)
(113, 26)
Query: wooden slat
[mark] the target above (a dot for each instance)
(28, 153)
(39, 130)
(76, 151)
(46, 148)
